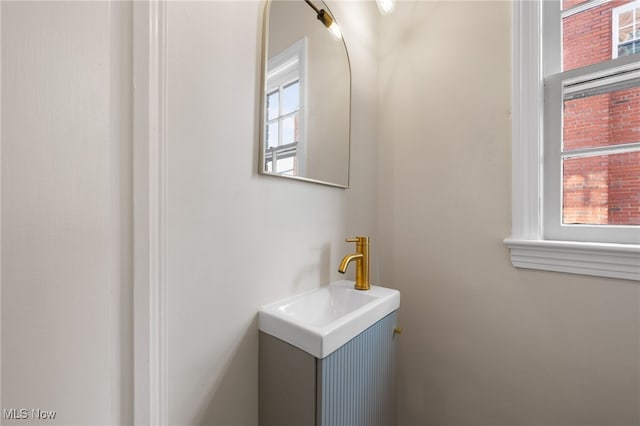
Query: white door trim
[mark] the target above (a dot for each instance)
(150, 200)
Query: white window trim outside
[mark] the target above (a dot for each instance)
(528, 247)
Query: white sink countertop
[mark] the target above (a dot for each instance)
(322, 320)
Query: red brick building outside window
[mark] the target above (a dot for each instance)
(602, 189)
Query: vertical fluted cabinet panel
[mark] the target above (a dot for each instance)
(356, 383)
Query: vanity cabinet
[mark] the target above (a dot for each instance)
(352, 386)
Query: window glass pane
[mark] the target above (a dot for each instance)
(626, 49)
(586, 37)
(625, 20)
(602, 190)
(273, 105)
(291, 98)
(628, 36)
(272, 135)
(605, 119)
(290, 129)
(286, 166)
(625, 34)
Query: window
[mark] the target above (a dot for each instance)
(576, 139)
(282, 127)
(626, 29)
(592, 125)
(284, 115)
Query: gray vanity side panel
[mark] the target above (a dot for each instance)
(356, 383)
(287, 384)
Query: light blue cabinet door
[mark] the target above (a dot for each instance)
(356, 383)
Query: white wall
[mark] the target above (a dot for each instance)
(484, 343)
(238, 240)
(66, 211)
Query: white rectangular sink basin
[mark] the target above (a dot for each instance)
(322, 320)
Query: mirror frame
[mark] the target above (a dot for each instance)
(262, 109)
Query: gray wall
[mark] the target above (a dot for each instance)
(484, 343)
(67, 211)
(238, 240)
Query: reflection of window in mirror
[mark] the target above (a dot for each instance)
(285, 152)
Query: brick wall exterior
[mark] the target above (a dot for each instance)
(602, 189)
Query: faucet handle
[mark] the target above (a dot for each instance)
(358, 240)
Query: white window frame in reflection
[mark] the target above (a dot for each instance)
(284, 69)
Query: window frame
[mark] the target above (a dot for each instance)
(615, 26)
(528, 246)
(554, 89)
(287, 67)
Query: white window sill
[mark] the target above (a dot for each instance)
(598, 259)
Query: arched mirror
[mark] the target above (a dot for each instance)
(306, 96)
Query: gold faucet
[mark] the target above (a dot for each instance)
(361, 256)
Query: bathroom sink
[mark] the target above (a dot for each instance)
(322, 320)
